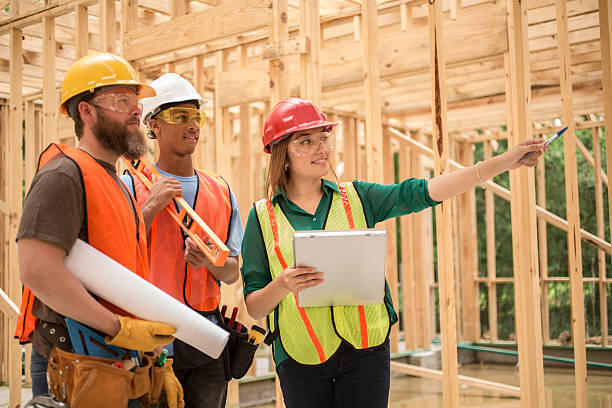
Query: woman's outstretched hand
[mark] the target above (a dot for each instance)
(296, 279)
(516, 156)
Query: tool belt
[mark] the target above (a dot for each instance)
(237, 355)
(94, 382)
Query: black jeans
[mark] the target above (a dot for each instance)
(350, 378)
(204, 386)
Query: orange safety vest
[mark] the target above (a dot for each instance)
(110, 226)
(195, 287)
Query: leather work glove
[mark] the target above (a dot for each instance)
(172, 387)
(141, 335)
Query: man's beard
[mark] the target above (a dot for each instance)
(119, 138)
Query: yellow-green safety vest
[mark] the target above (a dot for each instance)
(312, 335)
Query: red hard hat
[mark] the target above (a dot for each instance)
(292, 115)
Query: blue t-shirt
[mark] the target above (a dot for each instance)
(190, 186)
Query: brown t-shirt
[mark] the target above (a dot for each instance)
(54, 211)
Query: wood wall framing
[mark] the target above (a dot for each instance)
(413, 82)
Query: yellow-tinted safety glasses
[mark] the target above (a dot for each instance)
(177, 115)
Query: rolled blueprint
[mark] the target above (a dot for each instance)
(116, 284)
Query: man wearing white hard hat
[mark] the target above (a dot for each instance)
(177, 266)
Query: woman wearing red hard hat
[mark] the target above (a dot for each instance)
(337, 356)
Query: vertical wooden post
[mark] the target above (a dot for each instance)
(468, 247)
(217, 140)
(524, 234)
(491, 254)
(15, 132)
(373, 112)
(246, 182)
(178, 8)
(108, 18)
(543, 249)
(605, 27)
(574, 242)
(349, 141)
(444, 220)
(408, 270)
(391, 259)
(49, 89)
(310, 72)
(81, 30)
(603, 301)
(423, 259)
(279, 31)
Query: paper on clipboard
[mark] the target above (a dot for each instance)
(352, 262)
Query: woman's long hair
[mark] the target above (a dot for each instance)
(278, 170)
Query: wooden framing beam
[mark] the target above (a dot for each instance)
(8, 307)
(58, 8)
(444, 218)
(371, 83)
(491, 254)
(228, 19)
(310, 70)
(81, 31)
(574, 243)
(522, 204)
(462, 379)
(296, 45)
(50, 107)
(605, 26)
(601, 255)
(468, 250)
(543, 248)
(278, 67)
(108, 19)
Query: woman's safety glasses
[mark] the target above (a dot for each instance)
(117, 102)
(177, 115)
(308, 144)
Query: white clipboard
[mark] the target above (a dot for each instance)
(352, 262)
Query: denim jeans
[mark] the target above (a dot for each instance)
(204, 386)
(38, 370)
(350, 378)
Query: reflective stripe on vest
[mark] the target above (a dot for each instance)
(195, 287)
(111, 227)
(365, 326)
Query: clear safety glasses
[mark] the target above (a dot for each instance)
(177, 115)
(308, 144)
(117, 102)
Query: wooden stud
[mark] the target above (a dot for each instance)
(605, 27)
(543, 249)
(349, 148)
(405, 16)
(409, 267)
(468, 248)
(245, 182)
(178, 8)
(81, 31)
(524, 234)
(217, 140)
(129, 17)
(310, 71)
(574, 243)
(491, 254)
(391, 253)
(279, 32)
(601, 255)
(444, 219)
(357, 28)
(14, 197)
(108, 18)
(371, 83)
(50, 108)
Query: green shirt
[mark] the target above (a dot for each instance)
(380, 202)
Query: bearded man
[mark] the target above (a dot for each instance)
(77, 194)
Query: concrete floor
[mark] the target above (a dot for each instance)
(413, 392)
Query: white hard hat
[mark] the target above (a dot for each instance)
(169, 88)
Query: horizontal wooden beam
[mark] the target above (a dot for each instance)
(228, 19)
(504, 193)
(292, 46)
(463, 379)
(55, 9)
(8, 307)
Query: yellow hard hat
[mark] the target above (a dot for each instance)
(97, 70)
